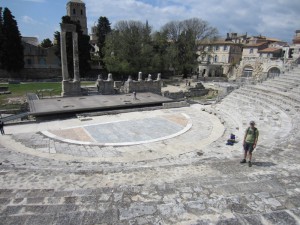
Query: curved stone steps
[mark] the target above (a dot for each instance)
(281, 96)
(281, 121)
(285, 105)
(285, 79)
(283, 84)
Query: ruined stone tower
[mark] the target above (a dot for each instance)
(77, 11)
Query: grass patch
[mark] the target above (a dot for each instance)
(19, 91)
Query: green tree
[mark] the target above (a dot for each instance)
(184, 37)
(46, 43)
(1, 37)
(128, 48)
(13, 52)
(103, 29)
(83, 48)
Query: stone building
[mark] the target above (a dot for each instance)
(262, 57)
(217, 58)
(38, 57)
(77, 11)
(294, 51)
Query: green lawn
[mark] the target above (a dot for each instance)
(20, 90)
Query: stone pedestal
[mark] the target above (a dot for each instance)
(140, 76)
(71, 88)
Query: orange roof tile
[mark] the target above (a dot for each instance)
(254, 45)
(269, 50)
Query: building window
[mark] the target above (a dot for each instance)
(217, 48)
(42, 61)
(28, 61)
(208, 58)
(225, 48)
(247, 72)
(251, 50)
(216, 59)
(81, 12)
(74, 11)
(269, 55)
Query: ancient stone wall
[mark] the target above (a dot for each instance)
(148, 85)
(105, 87)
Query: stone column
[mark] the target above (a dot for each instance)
(75, 56)
(64, 62)
(109, 78)
(158, 76)
(129, 79)
(100, 77)
(149, 77)
(140, 76)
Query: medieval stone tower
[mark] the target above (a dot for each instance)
(76, 10)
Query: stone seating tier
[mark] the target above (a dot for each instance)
(279, 95)
(282, 104)
(284, 84)
(275, 87)
(286, 79)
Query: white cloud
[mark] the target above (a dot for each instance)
(38, 1)
(29, 20)
(269, 17)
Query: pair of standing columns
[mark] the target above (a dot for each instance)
(64, 63)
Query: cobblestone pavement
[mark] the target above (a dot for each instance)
(193, 178)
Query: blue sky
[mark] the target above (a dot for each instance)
(274, 18)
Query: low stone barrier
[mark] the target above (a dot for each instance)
(169, 105)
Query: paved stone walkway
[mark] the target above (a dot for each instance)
(193, 178)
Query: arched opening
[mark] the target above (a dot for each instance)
(247, 72)
(273, 72)
(216, 59)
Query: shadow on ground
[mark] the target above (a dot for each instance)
(263, 164)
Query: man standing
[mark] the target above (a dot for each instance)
(250, 141)
(2, 127)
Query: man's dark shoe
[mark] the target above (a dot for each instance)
(250, 163)
(243, 161)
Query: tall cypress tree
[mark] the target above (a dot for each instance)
(13, 51)
(1, 38)
(103, 29)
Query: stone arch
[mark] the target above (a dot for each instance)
(247, 71)
(273, 72)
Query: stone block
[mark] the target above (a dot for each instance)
(71, 88)
(280, 218)
(169, 105)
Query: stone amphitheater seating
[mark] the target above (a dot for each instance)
(220, 195)
(273, 104)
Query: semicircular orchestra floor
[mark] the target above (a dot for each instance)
(127, 137)
(125, 132)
